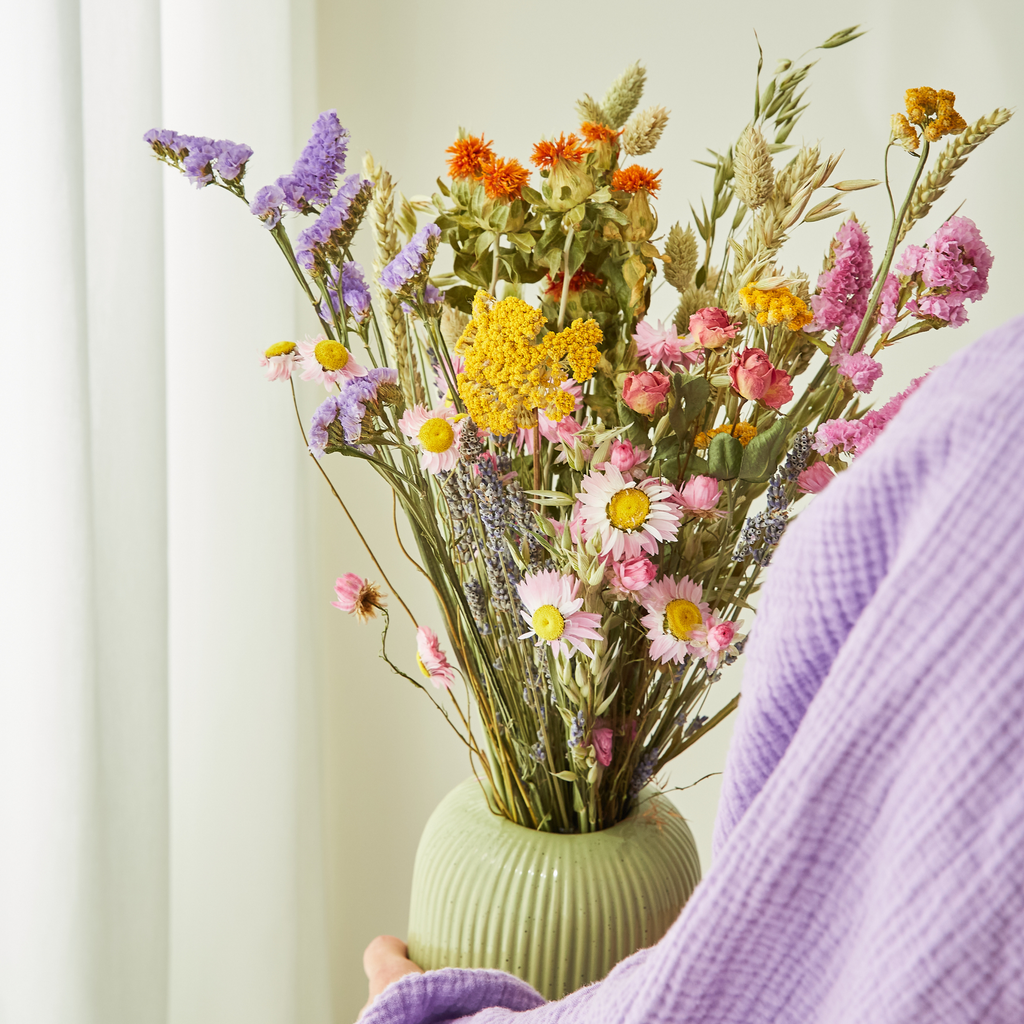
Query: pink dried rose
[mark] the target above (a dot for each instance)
(433, 662)
(602, 738)
(754, 377)
(714, 639)
(630, 575)
(861, 369)
(815, 478)
(646, 391)
(358, 597)
(700, 496)
(711, 327)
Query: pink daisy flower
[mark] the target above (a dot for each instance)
(552, 611)
(629, 516)
(662, 346)
(433, 662)
(436, 434)
(714, 639)
(441, 383)
(281, 360)
(358, 597)
(675, 612)
(328, 362)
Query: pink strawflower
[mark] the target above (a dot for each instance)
(602, 739)
(436, 434)
(862, 370)
(432, 660)
(699, 496)
(630, 516)
(815, 478)
(712, 328)
(662, 346)
(644, 392)
(552, 611)
(887, 304)
(627, 577)
(627, 458)
(281, 360)
(358, 597)
(754, 377)
(952, 267)
(441, 383)
(714, 639)
(337, 363)
(674, 611)
(842, 298)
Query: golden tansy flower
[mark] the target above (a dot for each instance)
(743, 432)
(774, 306)
(635, 178)
(902, 133)
(548, 153)
(503, 179)
(925, 104)
(594, 132)
(509, 374)
(468, 155)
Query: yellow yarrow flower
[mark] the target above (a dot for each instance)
(926, 103)
(744, 433)
(776, 306)
(509, 374)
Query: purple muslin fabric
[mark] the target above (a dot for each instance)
(870, 839)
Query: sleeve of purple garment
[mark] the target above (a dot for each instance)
(870, 864)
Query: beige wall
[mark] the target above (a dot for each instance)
(403, 77)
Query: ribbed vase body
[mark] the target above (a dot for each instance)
(558, 911)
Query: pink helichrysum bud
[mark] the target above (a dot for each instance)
(646, 391)
(754, 377)
(700, 494)
(712, 328)
(357, 596)
(625, 456)
(602, 738)
(815, 478)
(631, 575)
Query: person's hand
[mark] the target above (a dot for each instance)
(386, 960)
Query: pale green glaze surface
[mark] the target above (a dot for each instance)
(558, 911)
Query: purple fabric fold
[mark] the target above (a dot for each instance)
(869, 863)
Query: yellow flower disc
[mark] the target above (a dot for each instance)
(628, 509)
(682, 618)
(282, 348)
(423, 668)
(548, 623)
(331, 355)
(436, 435)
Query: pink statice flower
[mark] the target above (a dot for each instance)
(433, 662)
(951, 267)
(629, 576)
(551, 609)
(815, 478)
(700, 496)
(754, 377)
(661, 346)
(436, 434)
(888, 301)
(714, 639)
(628, 458)
(674, 611)
(358, 597)
(602, 739)
(644, 392)
(281, 360)
(861, 369)
(842, 298)
(711, 327)
(328, 362)
(630, 516)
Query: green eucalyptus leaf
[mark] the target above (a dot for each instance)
(724, 457)
(764, 452)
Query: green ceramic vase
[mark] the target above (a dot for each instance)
(558, 911)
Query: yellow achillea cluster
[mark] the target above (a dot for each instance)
(925, 103)
(743, 432)
(774, 306)
(509, 374)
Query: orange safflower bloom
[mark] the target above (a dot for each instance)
(594, 132)
(547, 154)
(503, 179)
(467, 156)
(634, 178)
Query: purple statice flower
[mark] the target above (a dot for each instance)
(267, 205)
(842, 298)
(951, 267)
(861, 369)
(325, 415)
(196, 155)
(231, 158)
(887, 303)
(431, 296)
(317, 169)
(413, 260)
(348, 408)
(337, 222)
(354, 291)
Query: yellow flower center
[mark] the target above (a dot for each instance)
(282, 348)
(436, 435)
(682, 617)
(331, 355)
(628, 509)
(548, 623)
(423, 668)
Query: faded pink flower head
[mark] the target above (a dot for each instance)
(358, 597)
(815, 478)
(644, 392)
(662, 346)
(700, 495)
(862, 370)
(712, 328)
(433, 662)
(602, 738)
(754, 377)
(632, 574)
